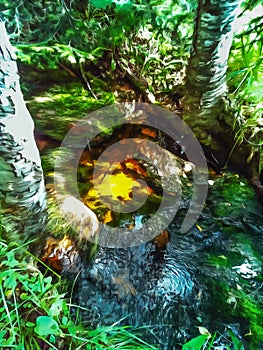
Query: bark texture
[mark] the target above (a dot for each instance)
(207, 109)
(205, 103)
(22, 190)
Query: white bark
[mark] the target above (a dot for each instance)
(206, 89)
(22, 190)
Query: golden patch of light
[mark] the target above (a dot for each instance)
(108, 217)
(117, 186)
(42, 99)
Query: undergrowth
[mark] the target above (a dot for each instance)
(35, 314)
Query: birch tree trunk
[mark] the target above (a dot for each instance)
(206, 108)
(22, 191)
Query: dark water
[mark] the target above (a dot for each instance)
(210, 276)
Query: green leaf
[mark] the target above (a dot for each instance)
(11, 282)
(195, 343)
(64, 320)
(101, 4)
(46, 325)
(30, 324)
(56, 307)
(236, 342)
(113, 64)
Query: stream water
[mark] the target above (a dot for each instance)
(210, 276)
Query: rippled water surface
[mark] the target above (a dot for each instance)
(210, 276)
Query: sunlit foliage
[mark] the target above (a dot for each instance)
(246, 73)
(152, 46)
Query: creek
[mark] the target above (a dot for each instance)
(207, 278)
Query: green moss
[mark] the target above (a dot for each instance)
(234, 194)
(56, 109)
(225, 260)
(251, 309)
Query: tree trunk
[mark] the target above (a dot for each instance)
(206, 108)
(205, 102)
(22, 190)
